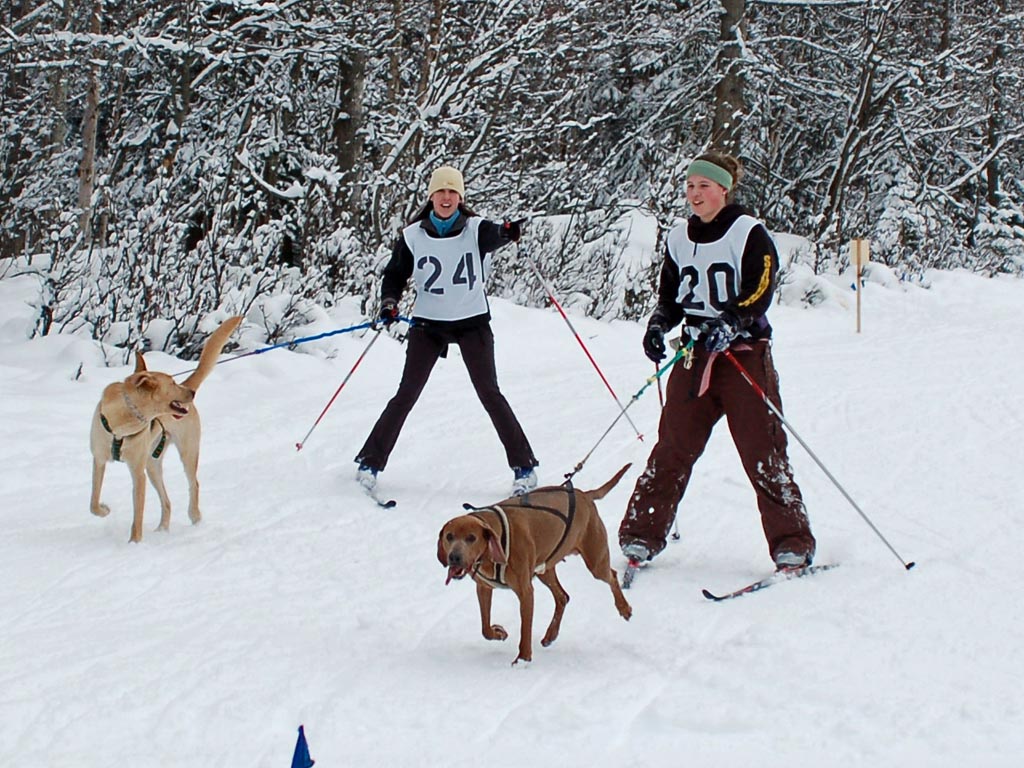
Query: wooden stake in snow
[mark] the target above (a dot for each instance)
(859, 255)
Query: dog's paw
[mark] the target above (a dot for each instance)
(100, 510)
(496, 632)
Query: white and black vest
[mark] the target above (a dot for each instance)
(449, 272)
(709, 273)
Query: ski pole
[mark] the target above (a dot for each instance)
(303, 340)
(777, 412)
(650, 380)
(551, 295)
(376, 335)
(295, 342)
(661, 401)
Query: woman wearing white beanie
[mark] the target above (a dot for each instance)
(446, 250)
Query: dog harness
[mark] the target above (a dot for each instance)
(115, 447)
(497, 579)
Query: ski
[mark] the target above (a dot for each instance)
(382, 503)
(780, 575)
(371, 493)
(632, 566)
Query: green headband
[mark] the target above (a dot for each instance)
(709, 170)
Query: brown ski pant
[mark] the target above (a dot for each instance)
(686, 424)
(423, 349)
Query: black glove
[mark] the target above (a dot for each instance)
(388, 312)
(720, 332)
(654, 343)
(513, 229)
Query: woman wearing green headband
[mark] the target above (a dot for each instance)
(717, 279)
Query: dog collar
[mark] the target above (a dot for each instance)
(133, 409)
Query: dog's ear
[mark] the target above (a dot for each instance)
(442, 556)
(494, 547)
(143, 381)
(140, 362)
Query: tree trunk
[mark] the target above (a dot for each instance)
(729, 104)
(184, 105)
(433, 42)
(998, 109)
(394, 68)
(90, 126)
(348, 119)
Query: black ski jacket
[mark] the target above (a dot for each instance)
(398, 270)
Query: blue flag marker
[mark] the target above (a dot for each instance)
(301, 758)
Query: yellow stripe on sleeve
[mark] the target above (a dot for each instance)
(766, 280)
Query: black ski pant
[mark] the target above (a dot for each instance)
(686, 424)
(423, 348)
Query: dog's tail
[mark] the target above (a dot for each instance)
(211, 351)
(601, 492)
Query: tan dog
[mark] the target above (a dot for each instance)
(525, 536)
(134, 421)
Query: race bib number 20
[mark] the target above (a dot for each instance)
(715, 286)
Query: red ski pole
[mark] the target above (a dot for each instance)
(551, 295)
(376, 335)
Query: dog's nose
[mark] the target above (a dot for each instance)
(455, 559)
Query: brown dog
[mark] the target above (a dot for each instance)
(134, 421)
(506, 545)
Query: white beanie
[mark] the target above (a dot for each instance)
(447, 177)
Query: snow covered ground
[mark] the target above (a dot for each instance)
(299, 601)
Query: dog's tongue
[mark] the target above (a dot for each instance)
(449, 579)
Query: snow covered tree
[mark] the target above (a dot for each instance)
(161, 161)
